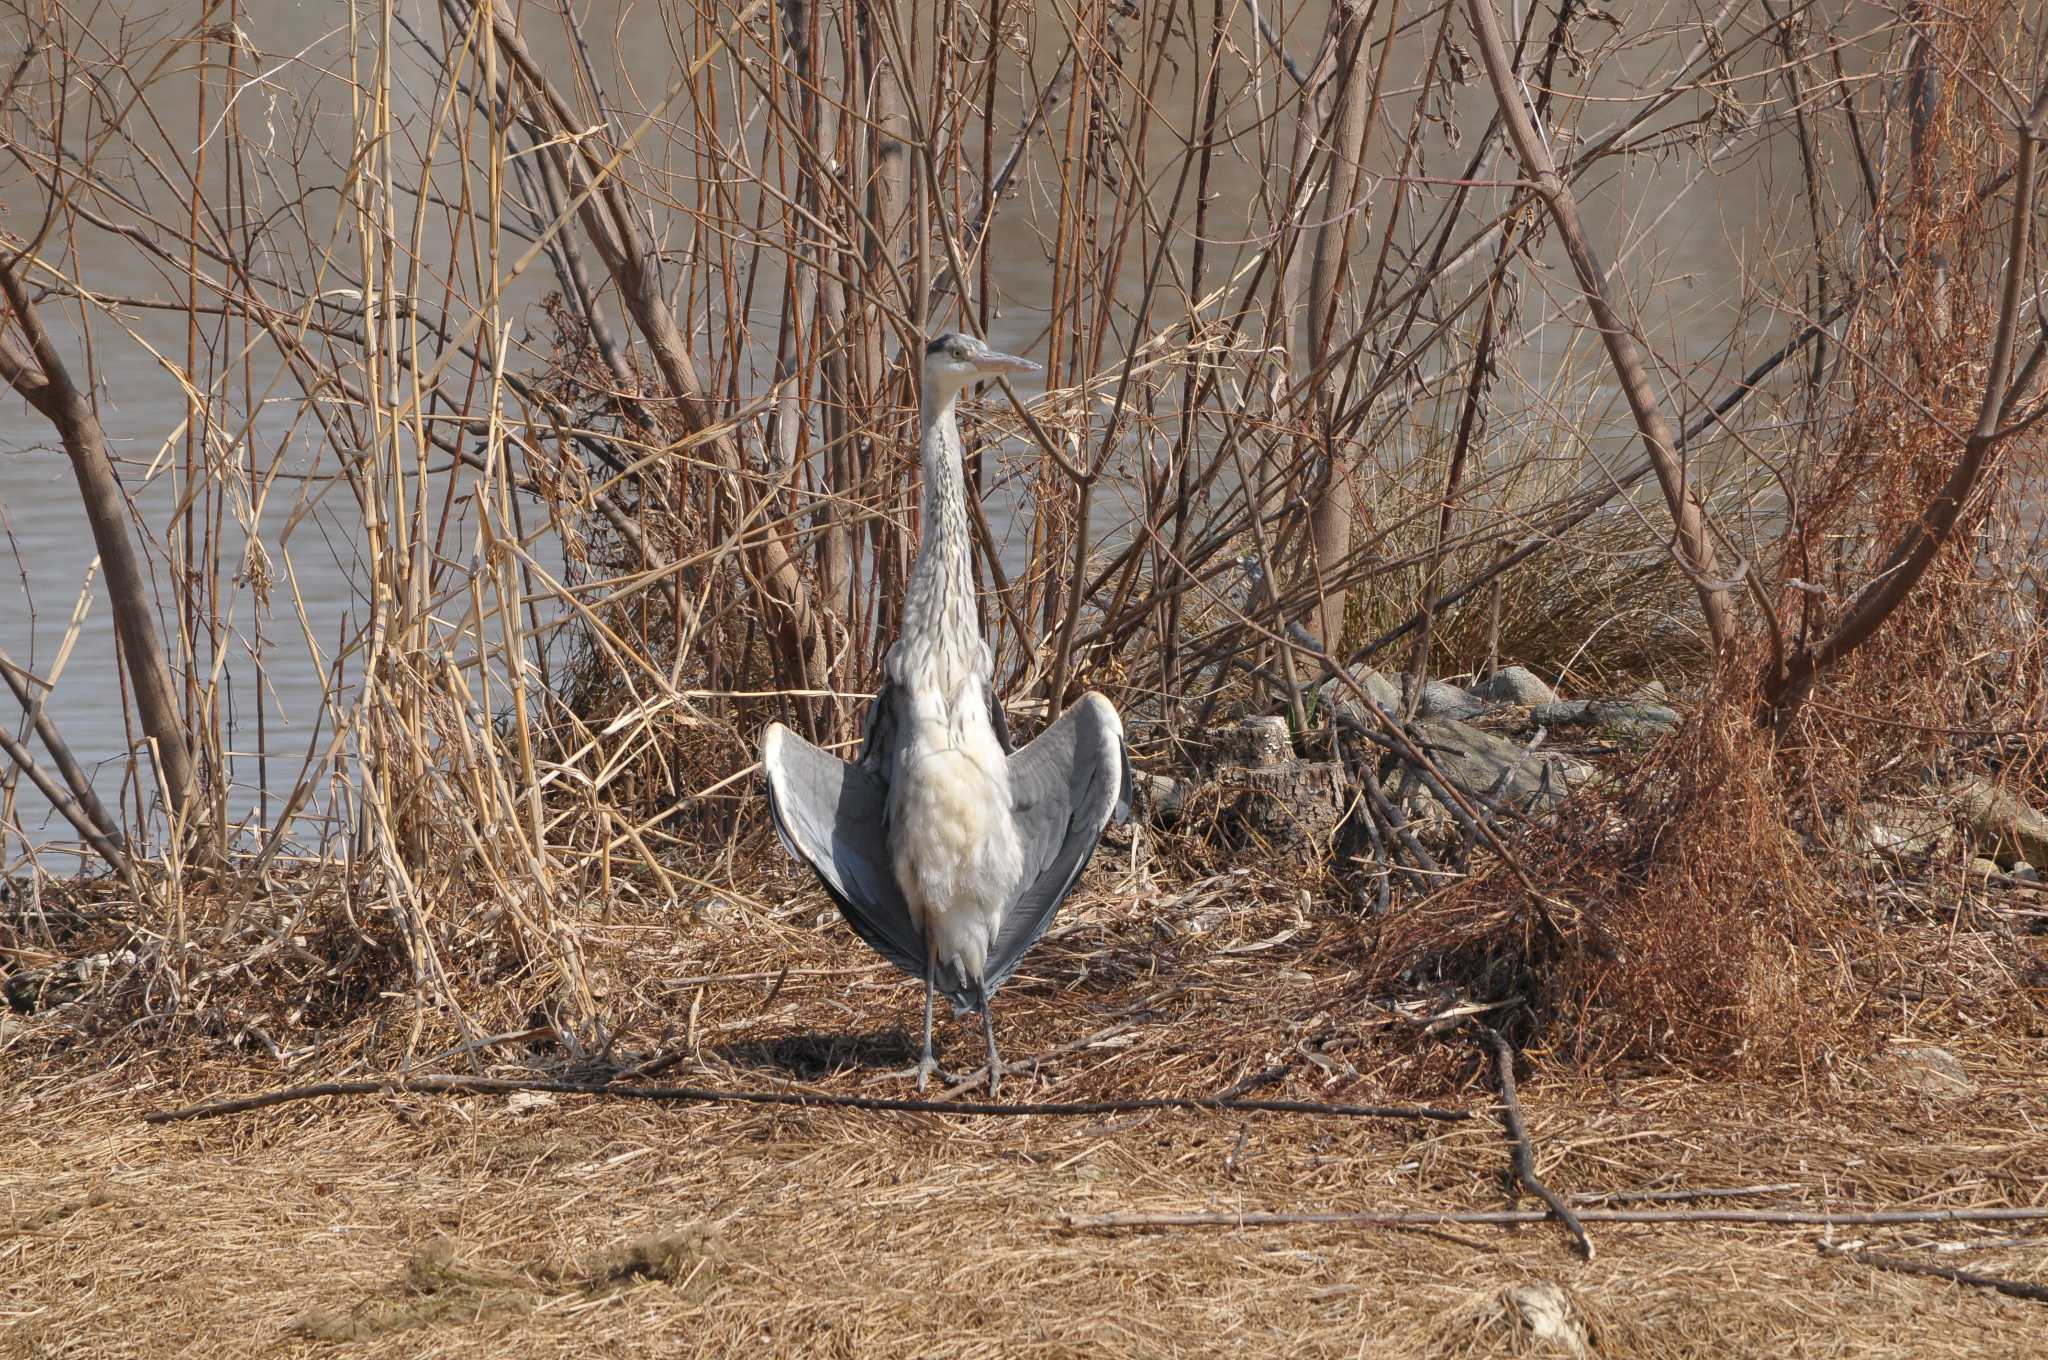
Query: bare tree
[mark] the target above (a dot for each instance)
(39, 376)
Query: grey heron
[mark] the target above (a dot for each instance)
(946, 851)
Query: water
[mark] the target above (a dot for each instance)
(316, 600)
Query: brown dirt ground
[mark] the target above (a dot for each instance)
(488, 1226)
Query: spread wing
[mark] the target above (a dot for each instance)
(833, 816)
(1065, 786)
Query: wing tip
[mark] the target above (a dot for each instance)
(1105, 711)
(1111, 725)
(771, 750)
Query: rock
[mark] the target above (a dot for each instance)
(1577, 773)
(2001, 825)
(1904, 831)
(1439, 698)
(1546, 1313)
(1254, 744)
(42, 989)
(1475, 762)
(1651, 693)
(2024, 872)
(1514, 685)
(1932, 1072)
(1384, 691)
(1159, 797)
(1442, 699)
(1981, 867)
(1616, 717)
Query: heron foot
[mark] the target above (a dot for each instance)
(924, 1069)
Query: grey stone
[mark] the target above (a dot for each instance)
(2002, 826)
(2024, 872)
(1159, 796)
(1619, 717)
(1442, 699)
(1931, 1071)
(1651, 693)
(1383, 690)
(1902, 831)
(1577, 773)
(1514, 685)
(1481, 764)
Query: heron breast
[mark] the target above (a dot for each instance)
(954, 838)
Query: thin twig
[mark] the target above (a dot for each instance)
(1677, 1196)
(2018, 1289)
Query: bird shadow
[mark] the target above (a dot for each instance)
(818, 1054)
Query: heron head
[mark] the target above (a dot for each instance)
(953, 360)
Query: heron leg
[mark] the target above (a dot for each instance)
(926, 1065)
(988, 1033)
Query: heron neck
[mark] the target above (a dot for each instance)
(940, 601)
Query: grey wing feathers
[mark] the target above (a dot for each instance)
(832, 815)
(1065, 786)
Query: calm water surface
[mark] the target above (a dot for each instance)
(46, 552)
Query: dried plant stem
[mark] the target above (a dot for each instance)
(1785, 689)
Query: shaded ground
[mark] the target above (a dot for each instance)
(487, 1226)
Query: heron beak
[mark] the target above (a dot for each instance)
(994, 362)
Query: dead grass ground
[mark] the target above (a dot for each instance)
(493, 1226)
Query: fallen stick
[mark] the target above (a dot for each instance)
(1671, 1196)
(461, 1085)
(1525, 1151)
(2018, 1289)
(1392, 1219)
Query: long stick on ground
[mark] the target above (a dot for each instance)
(1871, 1218)
(458, 1085)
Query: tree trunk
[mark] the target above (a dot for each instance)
(40, 377)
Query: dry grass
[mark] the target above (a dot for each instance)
(571, 1226)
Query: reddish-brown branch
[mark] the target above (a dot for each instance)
(1786, 691)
